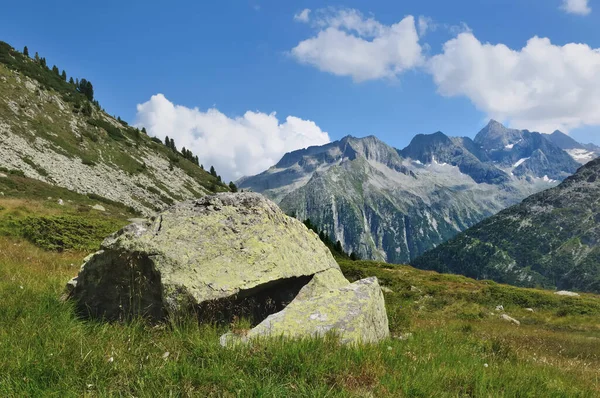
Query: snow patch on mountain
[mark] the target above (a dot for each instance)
(582, 155)
(520, 162)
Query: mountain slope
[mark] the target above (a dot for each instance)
(386, 204)
(52, 132)
(551, 239)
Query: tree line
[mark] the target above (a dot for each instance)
(187, 154)
(82, 86)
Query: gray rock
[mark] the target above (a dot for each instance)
(98, 207)
(499, 308)
(356, 312)
(509, 319)
(225, 256)
(61, 202)
(566, 293)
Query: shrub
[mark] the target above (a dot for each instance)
(61, 233)
(112, 131)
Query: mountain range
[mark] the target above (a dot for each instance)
(393, 205)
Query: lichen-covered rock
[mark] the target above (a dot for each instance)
(202, 251)
(356, 312)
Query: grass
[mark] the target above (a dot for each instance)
(457, 348)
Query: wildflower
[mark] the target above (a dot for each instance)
(111, 359)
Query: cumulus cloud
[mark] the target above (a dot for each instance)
(425, 24)
(579, 7)
(349, 44)
(239, 146)
(303, 16)
(540, 87)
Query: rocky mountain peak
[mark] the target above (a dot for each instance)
(563, 141)
(496, 136)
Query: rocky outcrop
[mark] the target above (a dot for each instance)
(224, 257)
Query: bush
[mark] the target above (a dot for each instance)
(36, 167)
(61, 233)
(88, 162)
(112, 131)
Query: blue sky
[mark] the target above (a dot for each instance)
(238, 56)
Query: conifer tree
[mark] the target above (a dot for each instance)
(338, 247)
(85, 87)
(144, 130)
(64, 75)
(213, 172)
(26, 51)
(87, 109)
(233, 187)
(172, 145)
(37, 57)
(71, 81)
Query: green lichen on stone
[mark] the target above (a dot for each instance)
(355, 312)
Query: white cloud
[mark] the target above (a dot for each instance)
(303, 16)
(349, 44)
(579, 7)
(540, 87)
(238, 146)
(425, 24)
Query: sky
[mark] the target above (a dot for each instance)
(242, 82)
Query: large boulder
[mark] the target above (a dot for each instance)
(221, 257)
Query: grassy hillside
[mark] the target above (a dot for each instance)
(52, 132)
(448, 339)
